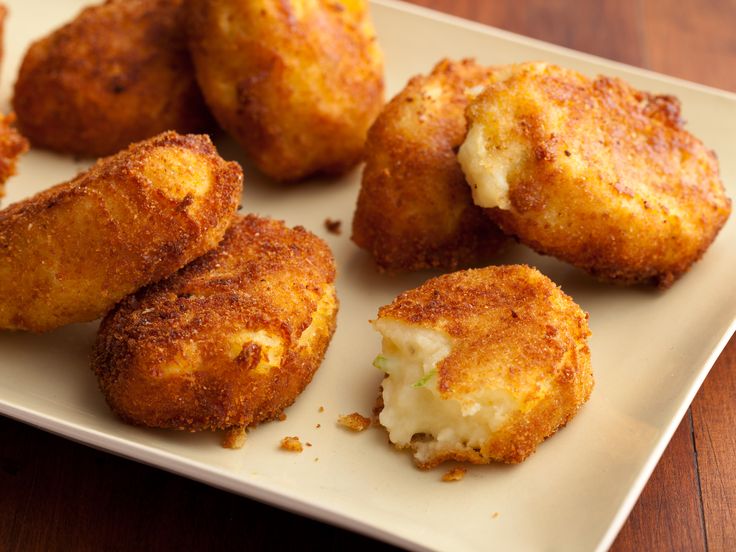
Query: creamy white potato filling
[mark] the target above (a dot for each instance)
(412, 403)
(487, 169)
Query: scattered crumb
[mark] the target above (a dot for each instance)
(354, 421)
(454, 474)
(333, 226)
(234, 438)
(321, 409)
(308, 444)
(495, 515)
(318, 426)
(292, 444)
(282, 417)
(316, 458)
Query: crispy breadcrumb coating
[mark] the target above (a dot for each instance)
(415, 209)
(481, 365)
(296, 82)
(12, 146)
(227, 342)
(71, 252)
(118, 73)
(593, 172)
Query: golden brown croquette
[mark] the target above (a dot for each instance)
(71, 252)
(415, 209)
(593, 172)
(297, 83)
(481, 365)
(227, 342)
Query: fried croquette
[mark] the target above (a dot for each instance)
(296, 82)
(481, 365)
(415, 209)
(227, 342)
(12, 146)
(593, 172)
(118, 73)
(71, 252)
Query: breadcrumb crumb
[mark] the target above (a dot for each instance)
(454, 474)
(354, 421)
(495, 515)
(333, 226)
(321, 409)
(292, 444)
(234, 438)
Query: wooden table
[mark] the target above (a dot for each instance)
(56, 495)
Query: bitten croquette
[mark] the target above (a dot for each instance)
(481, 365)
(593, 172)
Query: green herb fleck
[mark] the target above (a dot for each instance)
(421, 382)
(381, 362)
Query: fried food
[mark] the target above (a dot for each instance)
(354, 421)
(71, 252)
(12, 146)
(593, 172)
(415, 209)
(118, 73)
(227, 342)
(292, 444)
(481, 365)
(296, 82)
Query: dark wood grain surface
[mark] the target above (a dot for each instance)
(57, 495)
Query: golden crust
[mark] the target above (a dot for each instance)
(513, 329)
(12, 146)
(118, 73)
(230, 340)
(609, 181)
(71, 252)
(296, 82)
(415, 210)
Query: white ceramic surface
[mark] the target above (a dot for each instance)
(651, 350)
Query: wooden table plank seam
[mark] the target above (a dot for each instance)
(703, 525)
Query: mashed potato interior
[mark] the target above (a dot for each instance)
(415, 413)
(487, 171)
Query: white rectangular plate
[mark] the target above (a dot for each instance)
(651, 350)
